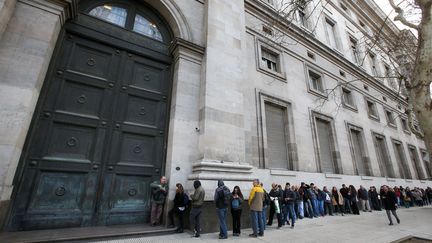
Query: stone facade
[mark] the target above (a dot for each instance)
(219, 91)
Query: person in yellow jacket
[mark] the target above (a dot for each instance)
(256, 199)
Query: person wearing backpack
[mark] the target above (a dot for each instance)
(181, 201)
(222, 199)
(236, 209)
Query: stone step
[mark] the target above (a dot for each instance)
(83, 233)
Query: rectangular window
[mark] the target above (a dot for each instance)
(383, 157)
(404, 170)
(359, 152)
(404, 122)
(388, 74)
(416, 162)
(374, 68)
(372, 110)
(354, 51)
(316, 81)
(270, 60)
(427, 163)
(331, 33)
(276, 136)
(345, 8)
(390, 118)
(347, 98)
(325, 142)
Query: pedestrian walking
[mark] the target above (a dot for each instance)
(390, 204)
(197, 198)
(159, 192)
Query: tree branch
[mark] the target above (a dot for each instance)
(401, 16)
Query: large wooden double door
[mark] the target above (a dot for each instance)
(98, 136)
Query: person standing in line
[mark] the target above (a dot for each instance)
(373, 195)
(197, 198)
(299, 202)
(296, 203)
(306, 201)
(181, 201)
(347, 203)
(236, 209)
(266, 203)
(222, 197)
(289, 198)
(390, 204)
(313, 199)
(159, 192)
(338, 201)
(352, 195)
(256, 199)
(321, 197)
(364, 199)
(276, 196)
(328, 206)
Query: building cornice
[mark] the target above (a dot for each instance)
(311, 42)
(65, 9)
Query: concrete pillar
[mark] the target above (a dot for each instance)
(25, 52)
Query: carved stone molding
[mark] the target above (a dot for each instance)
(65, 9)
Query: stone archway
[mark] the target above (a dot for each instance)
(99, 132)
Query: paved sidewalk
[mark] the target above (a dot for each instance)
(368, 227)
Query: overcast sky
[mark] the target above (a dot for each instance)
(385, 6)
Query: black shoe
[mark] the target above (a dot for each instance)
(179, 230)
(391, 224)
(398, 220)
(261, 235)
(292, 226)
(222, 237)
(253, 235)
(268, 224)
(171, 226)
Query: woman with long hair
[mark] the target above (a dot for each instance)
(236, 209)
(181, 201)
(338, 201)
(352, 193)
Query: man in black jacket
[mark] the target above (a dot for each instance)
(275, 205)
(222, 197)
(289, 197)
(390, 203)
(344, 192)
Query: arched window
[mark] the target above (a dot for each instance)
(128, 18)
(145, 27)
(113, 14)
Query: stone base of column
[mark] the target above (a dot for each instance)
(225, 170)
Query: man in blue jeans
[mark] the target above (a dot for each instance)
(313, 199)
(255, 201)
(289, 198)
(222, 197)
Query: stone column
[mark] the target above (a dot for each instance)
(222, 133)
(26, 48)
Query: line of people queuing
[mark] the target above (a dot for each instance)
(288, 203)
